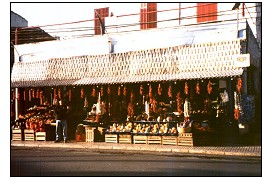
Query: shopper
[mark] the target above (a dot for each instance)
(61, 112)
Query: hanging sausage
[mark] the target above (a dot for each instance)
(69, 94)
(186, 88)
(197, 88)
(169, 92)
(179, 103)
(209, 87)
(237, 98)
(82, 93)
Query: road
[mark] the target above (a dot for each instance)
(31, 161)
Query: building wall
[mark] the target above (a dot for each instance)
(132, 41)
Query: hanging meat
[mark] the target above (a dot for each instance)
(239, 84)
(82, 93)
(59, 94)
(33, 93)
(197, 88)
(179, 103)
(29, 95)
(186, 88)
(37, 94)
(69, 94)
(41, 97)
(24, 95)
(93, 93)
(169, 92)
(209, 87)
(150, 92)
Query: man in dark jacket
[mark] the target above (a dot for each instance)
(61, 113)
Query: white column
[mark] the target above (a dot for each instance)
(16, 104)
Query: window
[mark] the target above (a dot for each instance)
(206, 12)
(148, 15)
(102, 12)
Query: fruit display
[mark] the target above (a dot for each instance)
(119, 127)
(153, 128)
(36, 117)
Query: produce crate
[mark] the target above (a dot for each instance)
(125, 138)
(29, 135)
(185, 139)
(40, 136)
(154, 139)
(111, 138)
(80, 137)
(139, 139)
(17, 135)
(169, 140)
(90, 134)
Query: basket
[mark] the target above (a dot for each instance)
(184, 130)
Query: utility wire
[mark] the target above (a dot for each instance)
(23, 31)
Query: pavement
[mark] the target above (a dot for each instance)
(234, 150)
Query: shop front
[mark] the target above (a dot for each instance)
(182, 95)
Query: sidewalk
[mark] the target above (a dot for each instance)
(246, 151)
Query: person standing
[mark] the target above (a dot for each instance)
(61, 112)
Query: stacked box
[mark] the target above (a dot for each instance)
(111, 138)
(125, 138)
(154, 139)
(169, 140)
(139, 139)
(185, 139)
(29, 135)
(17, 135)
(90, 134)
(40, 136)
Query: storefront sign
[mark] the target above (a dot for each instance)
(242, 60)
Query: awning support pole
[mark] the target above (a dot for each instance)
(16, 104)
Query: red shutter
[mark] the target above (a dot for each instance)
(152, 15)
(206, 12)
(143, 16)
(103, 12)
(148, 15)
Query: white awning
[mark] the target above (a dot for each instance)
(198, 61)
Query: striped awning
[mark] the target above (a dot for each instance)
(198, 61)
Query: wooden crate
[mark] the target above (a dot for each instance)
(125, 138)
(29, 135)
(111, 138)
(139, 139)
(40, 136)
(17, 135)
(169, 140)
(185, 139)
(154, 139)
(90, 137)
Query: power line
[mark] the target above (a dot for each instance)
(27, 31)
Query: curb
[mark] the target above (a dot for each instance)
(253, 151)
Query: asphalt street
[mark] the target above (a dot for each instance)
(32, 161)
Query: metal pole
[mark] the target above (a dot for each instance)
(237, 21)
(16, 89)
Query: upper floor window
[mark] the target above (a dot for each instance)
(206, 12)
(148, 15)
(99, 17)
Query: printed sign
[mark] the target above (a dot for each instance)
(242, 60)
